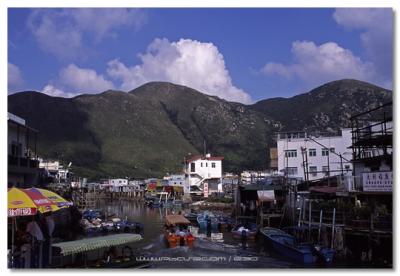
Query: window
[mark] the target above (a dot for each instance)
(313, 170)
(347, 167)
(212, 165)
(325, 152)
(332, 149)
(292, 170)
(206, 164)
(312, 152)
(290, 153)
(325, 170)
(16, 149)
(201, 164)
(192, 167)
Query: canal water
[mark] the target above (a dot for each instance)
(211, 250)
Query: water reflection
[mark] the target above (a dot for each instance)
(215, 249)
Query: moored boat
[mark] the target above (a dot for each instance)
(247, 230)
(207, 220)
(176, 231)
(286, 245)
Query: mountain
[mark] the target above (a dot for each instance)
(148, 131)
(325, 108)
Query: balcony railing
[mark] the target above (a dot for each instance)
(23, 162)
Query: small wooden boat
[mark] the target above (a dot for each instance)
(245, 230)
(192, 217)
(286, 245)
(176, 231)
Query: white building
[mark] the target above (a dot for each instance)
(204, 172)
(174, 180)
(54, 170)
(301, 154)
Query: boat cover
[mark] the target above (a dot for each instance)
(84, 245)
(173, 220)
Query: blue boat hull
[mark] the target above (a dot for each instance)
(283, 244)
(203, 223)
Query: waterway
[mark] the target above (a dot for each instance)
(211, 250)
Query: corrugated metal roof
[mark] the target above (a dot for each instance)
(84, 245)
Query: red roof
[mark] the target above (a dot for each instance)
(197, 157)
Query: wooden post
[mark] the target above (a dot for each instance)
(333, 227)
(320, 225)
(301, 208)
(309, 220)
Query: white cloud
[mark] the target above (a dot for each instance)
(376, 25)
(187, 62)
(101, 21)
(62, 32)
(15, 79)
(55, 92)
(83, 80)
(316, 64)
(55, 33)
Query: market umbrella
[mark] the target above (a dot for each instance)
(24, 202)
(43, 203)
(60, 201)
(20, 203)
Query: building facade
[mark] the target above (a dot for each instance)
(23, 166)
(310, 157)
(204, 172)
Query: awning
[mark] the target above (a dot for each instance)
(84, 245)
(323, 189)
(266, 196)
(173, 220)
(262, 187)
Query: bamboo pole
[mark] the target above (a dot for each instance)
(320, 225)
(333, 227)
(309, 220)
(301, 208)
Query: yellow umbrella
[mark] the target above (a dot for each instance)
(20, 203)
(60, 201)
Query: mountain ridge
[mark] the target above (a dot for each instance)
(149, 130)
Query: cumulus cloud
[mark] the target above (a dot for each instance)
(62, 32)
(83, 80)
(15, 79)
(376, 25)
(76, 81)
(55, 92)
(187, 62)
(316, 64)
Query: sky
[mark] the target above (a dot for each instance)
(241, 54)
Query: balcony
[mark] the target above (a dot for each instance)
(22, 164)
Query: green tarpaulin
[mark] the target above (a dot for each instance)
(84, 245)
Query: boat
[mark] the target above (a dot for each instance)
(225, 223)
(176, 231)
(246, 230)
(191, 216)
(324, 254)
(129, 226)
(286, 245)
(207, 220)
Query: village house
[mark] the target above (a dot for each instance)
(313, 156)
(23, 166)
(204, 172)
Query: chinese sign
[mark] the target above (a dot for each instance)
(377, 182)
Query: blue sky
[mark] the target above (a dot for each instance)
(241, 54)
